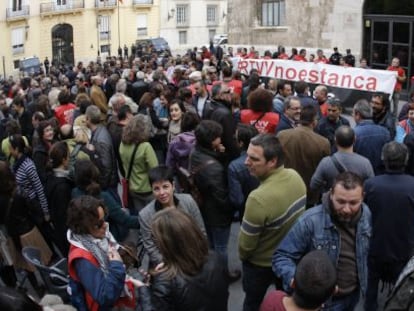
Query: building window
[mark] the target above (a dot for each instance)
(16, 63)
(211, 34)
(106, 48)
(182, 37)
(104, 27)
(18, 40)
(16, 5)
(273, 12)
(211, 14)
(142, 25)
(182, 15)
(61, 2)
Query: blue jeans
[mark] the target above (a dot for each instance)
(347, 303)
(218, 238)
(256, 280)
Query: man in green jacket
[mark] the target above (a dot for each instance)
(271, 210)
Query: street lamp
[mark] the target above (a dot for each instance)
(171, 13)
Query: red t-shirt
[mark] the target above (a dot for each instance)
(236, 86)
(324, 109)
(267, 124)
(299, 58)
(283, 56)
(274, 301)
(401, 73)
(321, 60)
(64, 114)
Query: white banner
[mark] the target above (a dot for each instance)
(335, 76)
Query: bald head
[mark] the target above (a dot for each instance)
(66, 131)
(344, 136)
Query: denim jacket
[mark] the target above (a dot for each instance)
(241, 183)
(315, 230)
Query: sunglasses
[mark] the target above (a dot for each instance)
(99, 224)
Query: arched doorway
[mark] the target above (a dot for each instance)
(389, 32)
(62, 44)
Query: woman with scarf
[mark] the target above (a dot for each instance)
(97, 273)
(87, 183)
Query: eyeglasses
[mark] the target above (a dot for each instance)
(376, 102)
(295, 108)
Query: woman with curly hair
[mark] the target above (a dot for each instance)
(136, 152)
(260, 113)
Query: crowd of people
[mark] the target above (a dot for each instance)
(161, 154)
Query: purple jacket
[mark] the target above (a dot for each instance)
(179, 150)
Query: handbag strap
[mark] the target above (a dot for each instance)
(257, 120)
(201, 167)
(131, 161)
(338, 165)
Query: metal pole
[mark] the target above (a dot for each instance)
(119, 33)
(98, 22)
(4, 67)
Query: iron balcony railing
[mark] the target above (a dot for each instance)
(23, 11)
(64, 6)
(105, 35)
(212, 23)
(18, 49)
(143, 2)
(105, 3)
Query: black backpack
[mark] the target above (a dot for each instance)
(402, 296)
(93, 156)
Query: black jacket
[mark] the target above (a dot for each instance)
(15, 216)
(284, 123)
(41, 158)
(58, 194)
(223, 115)
(138, 89)
(211, 181)
(102, 141)
(206, 291)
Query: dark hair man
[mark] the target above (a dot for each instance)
(391, 199)
(313, 284)
(264, 226)
(284, 89)
(329, 124)
(381, 113)
(341, 226)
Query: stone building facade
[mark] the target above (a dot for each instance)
(377, 30)
(303, 23)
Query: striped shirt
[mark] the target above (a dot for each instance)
(29, 182)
